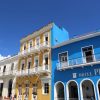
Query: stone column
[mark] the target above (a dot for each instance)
(5, 87)
(13, 86)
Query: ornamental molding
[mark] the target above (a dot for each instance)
(9, 60)
(76, 39)
(38, 32)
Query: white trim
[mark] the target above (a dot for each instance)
(93, 34)
(98, 89)
(8, 60)
(67, 57)
(92, 51)
(38, 37)
(29, 60)
(81, 65)
(22, 62)
(43, 82)
(87, 79)
(1, 81)
(55, 93)
(68, 90)
(29, 43)
(36, 57)
(45, 35)
(36, 33)
(24, 44)
(44, 55)
(61, 53)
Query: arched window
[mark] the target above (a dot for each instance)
(98, 88)
(88, 90)
(1, 88)
(12, 66)
(10, 88)
(72, 91)
(59, 91)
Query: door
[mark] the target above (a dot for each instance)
(88, 54)
(37, 41)
(1, 88)
(36, 62)
(46, 39)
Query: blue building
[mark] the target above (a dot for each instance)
(76, 68)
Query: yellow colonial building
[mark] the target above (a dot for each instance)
(33, 80)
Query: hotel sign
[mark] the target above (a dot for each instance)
(95, 72)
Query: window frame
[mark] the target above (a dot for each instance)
(61, 53)
(30, 46)
(36, 57)
(12, 66)
(43, 88)
(27, 87)
(34, 87)
(22, 62)
(29, 60)
(24, 45)
(83, 52)
(38, 37)
(4, 68)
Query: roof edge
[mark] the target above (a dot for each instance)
(87, 36)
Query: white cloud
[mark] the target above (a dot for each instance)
(3, 57)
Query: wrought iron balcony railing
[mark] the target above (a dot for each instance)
(7, 73)
(82, 61)
(35, 70)
(35, 48)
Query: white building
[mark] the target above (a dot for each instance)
(8, 68)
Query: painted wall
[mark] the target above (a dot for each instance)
(58, 35)
(5, 77)
(74, 51)
(34, 40)
(32, 80)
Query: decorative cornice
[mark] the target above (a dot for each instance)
(9, 59)
(36, 33)
(87, 36)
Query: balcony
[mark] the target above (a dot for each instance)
(35, 49)
(35, 70)
(8, 73)
(78, 62)
(67, 99)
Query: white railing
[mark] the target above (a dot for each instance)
(35, 70)
(78, 62)
(91, 98)
(7, 73)
(35, 48)
(34, 97)
(59, 99)
(19, 97)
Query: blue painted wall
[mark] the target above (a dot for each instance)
(58, 35)
(74, 51)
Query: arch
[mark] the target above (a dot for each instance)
(72, 90)
(1, 87)
(10, 87)
(87, 88)
(98, 89)
(59, 91)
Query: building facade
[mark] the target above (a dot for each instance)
(76, 68)
(8, 68)
(34, 68)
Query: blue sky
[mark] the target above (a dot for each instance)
(19, 18)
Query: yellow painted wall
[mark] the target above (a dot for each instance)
(31, 80)
(33, 39)
(40, 54)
